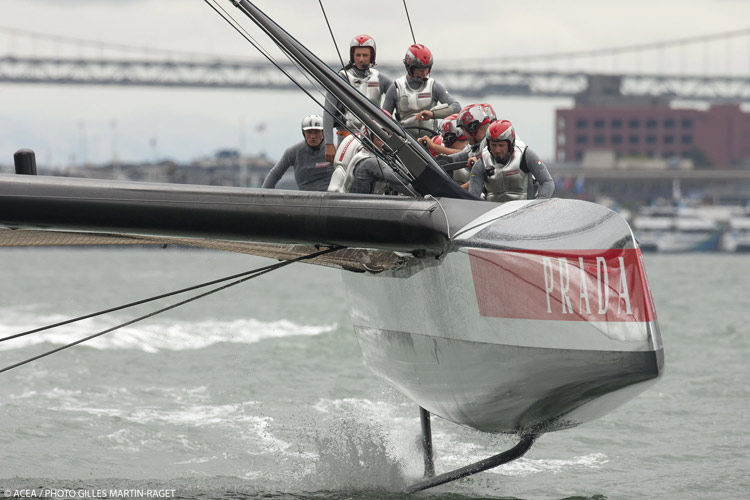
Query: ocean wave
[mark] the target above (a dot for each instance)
(150, 337)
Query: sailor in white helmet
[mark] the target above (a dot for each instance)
(359, 170)
(342, 161)
(418, 99)
(362, 76)
(312, 171)
(508, 169)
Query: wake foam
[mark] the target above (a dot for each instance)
(149, 336)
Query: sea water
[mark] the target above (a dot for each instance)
(260, 391)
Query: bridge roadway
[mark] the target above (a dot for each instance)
(474, 83)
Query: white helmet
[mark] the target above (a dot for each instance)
(312, 122)
(364, 41)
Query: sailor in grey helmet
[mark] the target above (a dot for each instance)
(508, 169)
(312, 171)
(362, 76)
(418, 99)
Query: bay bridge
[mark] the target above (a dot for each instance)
(562, 74)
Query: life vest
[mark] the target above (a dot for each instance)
(506, 182)
(348, 148)
(411, 101)
(369, 86)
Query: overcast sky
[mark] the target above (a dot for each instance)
(76, 124)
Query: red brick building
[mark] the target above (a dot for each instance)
(718, 137)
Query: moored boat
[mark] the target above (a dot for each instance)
(737, 235)
(676, 229)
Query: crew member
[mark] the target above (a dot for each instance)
(312, 171)
(508, 169)
(418, 99)
(362, 76)
(473, 120)
(452, 138)
(359, 170)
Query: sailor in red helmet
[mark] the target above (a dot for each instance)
(419, 101)
(508, 169)
(473, 121)
(362, 76)
(452, 138)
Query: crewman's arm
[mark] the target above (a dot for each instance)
(538, 169)
(278, 170)
(476, 183)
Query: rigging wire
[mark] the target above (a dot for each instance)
(338, 53)
(409, 19)
(252, 274)
(243, 32)
(136, 303)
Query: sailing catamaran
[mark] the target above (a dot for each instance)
(524, 317)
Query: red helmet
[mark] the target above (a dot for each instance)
(450, 132)
(502, 130)
(365, 41)
(490, 111)
(472, 117)
(437, 140)
(417, 56)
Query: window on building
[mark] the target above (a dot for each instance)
(650, 139)
(562, 139)
(599, 123)
(616, 123)
(667, 154)
(669, 123)
(651, 123)
(687, 139)
(582, 123)
(634, 139)
(634, 123)
(687, 123)
(668, 139)
(561, 122)
(616, 139)
(599, 139)
(581, 139)
(579, 155)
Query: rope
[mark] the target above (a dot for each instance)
(244, 33)
(251, 274)
(409, 19)
(445, 215)
(338, 53)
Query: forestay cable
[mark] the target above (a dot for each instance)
(252, 274)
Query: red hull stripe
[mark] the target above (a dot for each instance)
(562, 285)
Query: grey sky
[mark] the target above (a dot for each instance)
(95, 124)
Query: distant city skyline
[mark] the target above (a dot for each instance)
(75, 125)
